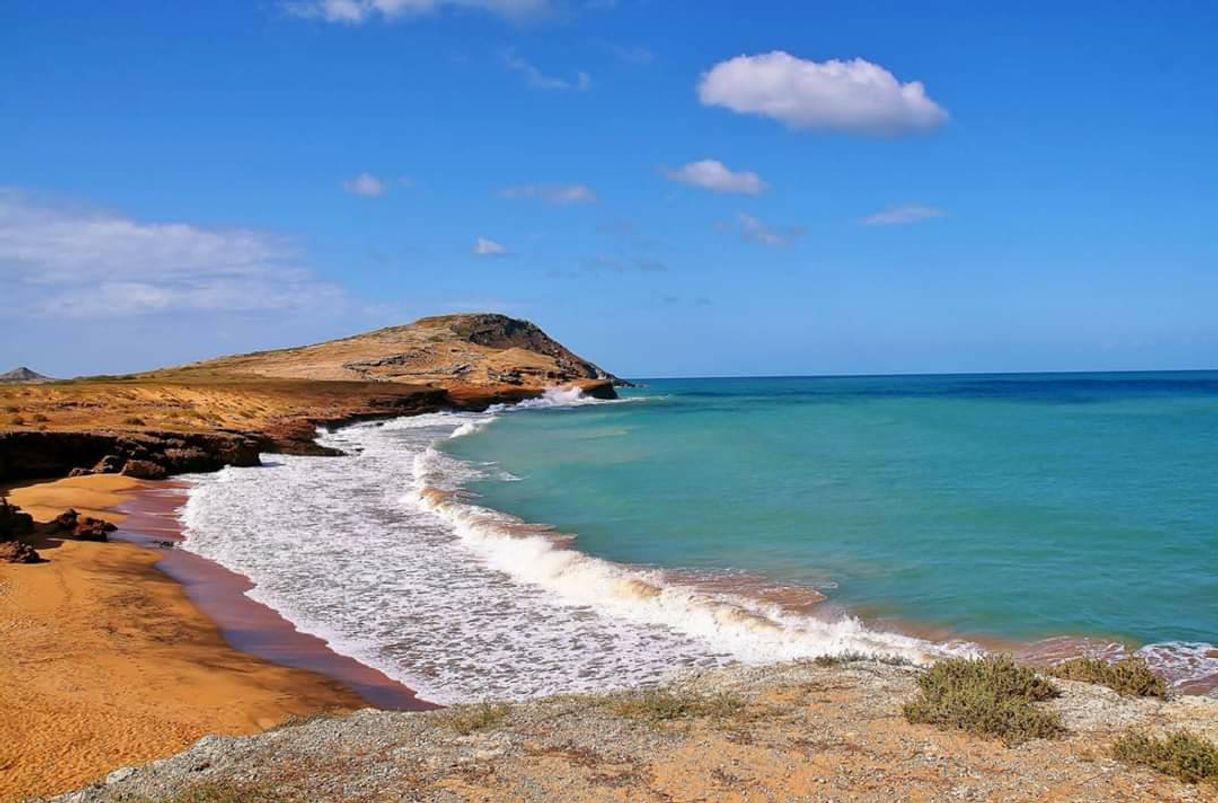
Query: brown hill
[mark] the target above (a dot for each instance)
(205, 415)
(445, 350)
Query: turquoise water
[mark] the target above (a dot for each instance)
(1010, 506)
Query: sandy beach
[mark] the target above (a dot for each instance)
(108, 662)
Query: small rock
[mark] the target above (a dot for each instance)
(18, 552)
(91, 529)
(110, 464)
(144, 470)
(121, 774)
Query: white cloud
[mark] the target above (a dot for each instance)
(537, 79)
(489, 248)
(713, 175)
(758, 232)
(357, 12)
(854, 96)
(897, 215)
(83, 262)
(557, 194)
(365, 184)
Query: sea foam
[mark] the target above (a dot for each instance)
(385, 555)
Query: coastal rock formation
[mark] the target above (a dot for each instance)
(14, 526)
(32, 453)
(13, 523)
(18, 552)
(70, 524)
(481, 350)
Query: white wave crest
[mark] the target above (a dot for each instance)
(748, 629)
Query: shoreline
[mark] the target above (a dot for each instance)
(246, 624)
(111, 661)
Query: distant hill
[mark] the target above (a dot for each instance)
(479, 350)
(22, 376)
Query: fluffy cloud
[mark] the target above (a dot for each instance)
(356, 12)
(898, 215)
(856, 97)
(488, 248)
(537, 79)
(713, 175)
(755, 231)
(558, 194)
(83, 262)
(365, 184)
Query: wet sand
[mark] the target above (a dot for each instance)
(110, 661)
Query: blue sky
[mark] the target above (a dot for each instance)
(670, 188)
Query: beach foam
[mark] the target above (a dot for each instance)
(385, 555)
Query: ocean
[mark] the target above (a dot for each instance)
(569, 544)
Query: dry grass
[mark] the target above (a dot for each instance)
(216, 792)
(989, 697)
(465, 719)
(1182, 754)
(1131, 677)
(666, 705)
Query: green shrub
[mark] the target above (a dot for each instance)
(1182, 754)
(988, 696)
(1131, 677)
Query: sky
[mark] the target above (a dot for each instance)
(669, 188)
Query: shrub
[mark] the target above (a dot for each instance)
(466, 719)
(40, 418)
(665, 705)
(1181, 754)
(16, 421)
(988, 696)
(843, 658)
(1131, 677)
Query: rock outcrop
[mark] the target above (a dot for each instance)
(35, 454)
(15, 526)
(70, 524)
(801, 731)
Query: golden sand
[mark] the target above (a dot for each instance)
(105, 662)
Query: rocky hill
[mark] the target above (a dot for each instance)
(213, 413)
(445, 350)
